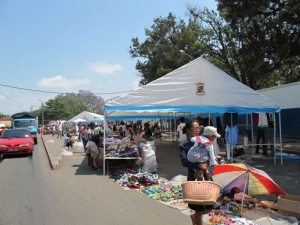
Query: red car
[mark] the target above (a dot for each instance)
(16, 141)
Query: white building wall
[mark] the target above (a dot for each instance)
(287, 96)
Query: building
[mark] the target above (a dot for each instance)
(287, 96)
(6, 121)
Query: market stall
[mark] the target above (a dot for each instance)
(227, 211)
(120, 149)
(197, 87)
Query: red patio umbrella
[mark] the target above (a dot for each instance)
(250, 180)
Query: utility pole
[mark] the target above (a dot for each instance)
(42, 114)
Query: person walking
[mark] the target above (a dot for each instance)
(180, 134)
(192, 129)
(53, 130)
(262, 127)
(203, 153)
(59, 129)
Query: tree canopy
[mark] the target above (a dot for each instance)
(66, 106)
(159, 54)
(256, 42)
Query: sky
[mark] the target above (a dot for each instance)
(49, 47)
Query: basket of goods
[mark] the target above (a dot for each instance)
(200, 192)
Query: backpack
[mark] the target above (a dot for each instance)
(199, 152)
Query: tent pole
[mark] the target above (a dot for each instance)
(274, 137)
(280, 137)
(231, 144)
(170, 130)
(104, 142)
(252, 134)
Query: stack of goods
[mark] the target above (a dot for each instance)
(219, 217)
(150, 184)
(121, 147)
(230, 207)
(117, 173)
(163, 192)
(148, 156)
(138, 180)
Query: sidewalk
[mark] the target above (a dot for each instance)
(55, 147)
(286, 175)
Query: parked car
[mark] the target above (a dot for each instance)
(16, 141)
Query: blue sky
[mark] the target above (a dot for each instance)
(71, 45)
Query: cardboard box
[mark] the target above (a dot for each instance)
(289, 204)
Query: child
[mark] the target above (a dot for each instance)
(203, 152)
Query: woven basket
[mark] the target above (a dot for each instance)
(201, 192)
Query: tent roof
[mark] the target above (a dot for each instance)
(85, 115)
(136, 115)
(195, 87)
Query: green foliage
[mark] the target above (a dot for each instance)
(256, 42)
(159, 54)
(269, 35)
(66, 106)
(3, 115)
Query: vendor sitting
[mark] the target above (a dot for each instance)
(69, 141)
(147, 134)
(240, 196)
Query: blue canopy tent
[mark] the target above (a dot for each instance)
(196, 87)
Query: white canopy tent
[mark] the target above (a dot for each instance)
(197, 87)
(142, 115)
(86, 116)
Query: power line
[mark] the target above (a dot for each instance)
(13, 100)
(54, 92)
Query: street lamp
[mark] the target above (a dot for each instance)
(183, 52)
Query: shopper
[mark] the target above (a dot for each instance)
(203, 153)
(180, 134)
(192, 129)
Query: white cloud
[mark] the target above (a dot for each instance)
(2, 97)
(104, 68)
(62, 82)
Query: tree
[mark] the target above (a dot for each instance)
(256, 42)
(159, 53)
(94, 102)
(3, 115)
(66, 106)
(269, 33)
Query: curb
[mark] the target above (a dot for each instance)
(53, 161)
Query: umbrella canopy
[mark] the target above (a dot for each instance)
(250, 180)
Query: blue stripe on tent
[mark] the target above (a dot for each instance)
(192, 109)
(137, 117)
(95, 121)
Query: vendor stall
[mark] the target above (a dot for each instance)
(226, 211)
(197, 87)
(120, 149)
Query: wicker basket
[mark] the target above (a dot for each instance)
(200, 192)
